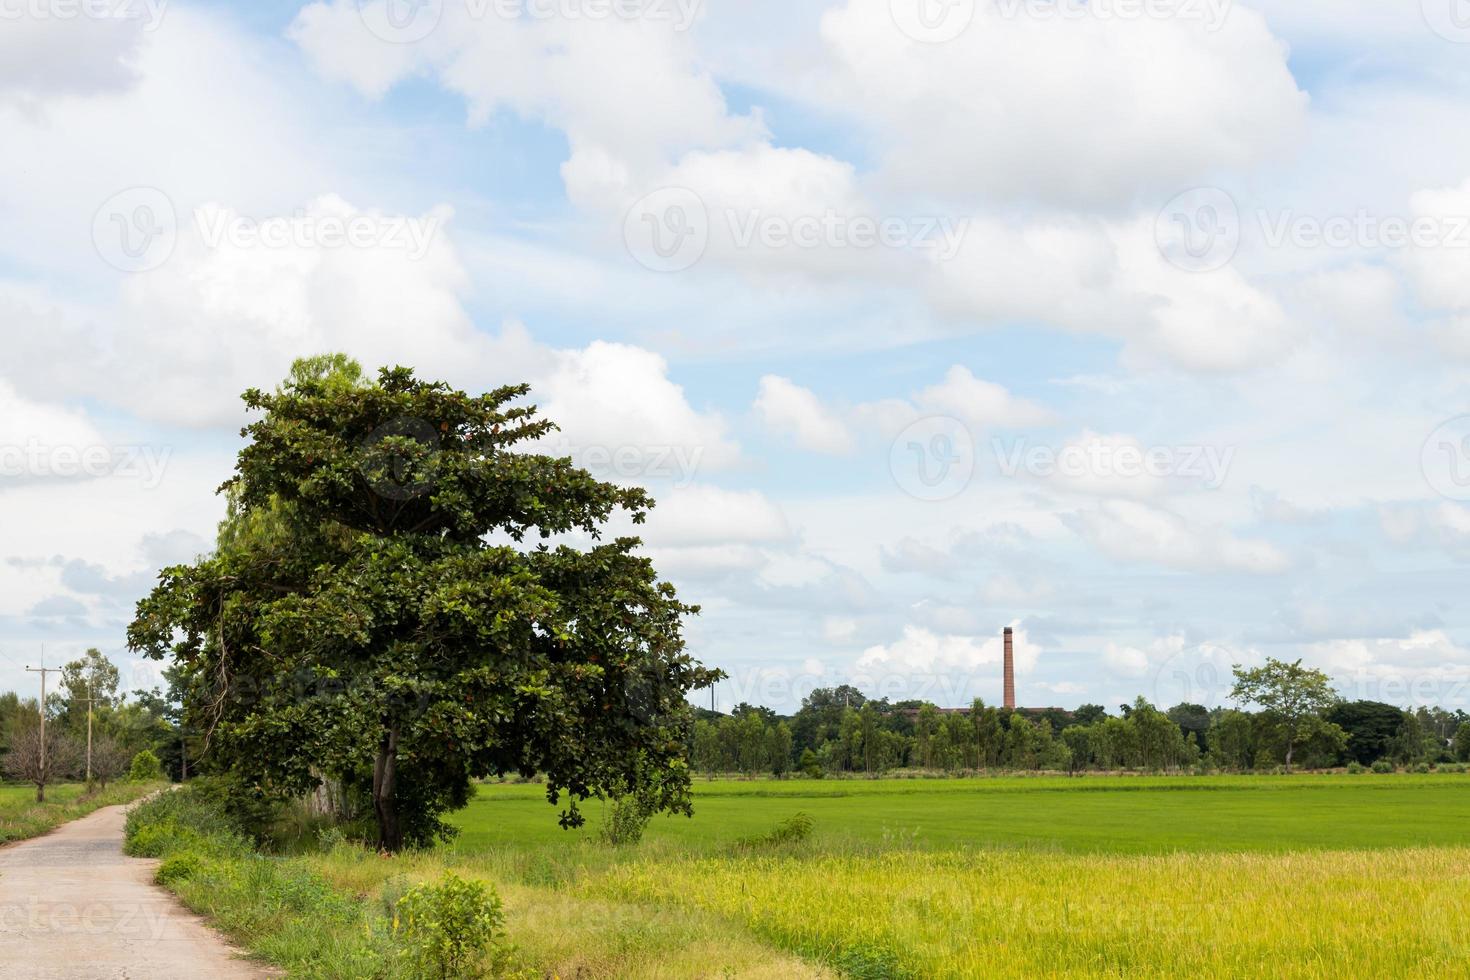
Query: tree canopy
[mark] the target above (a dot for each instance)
(371, 615)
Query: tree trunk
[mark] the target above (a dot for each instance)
(1290, 747)
(385, 780)
(40, 792)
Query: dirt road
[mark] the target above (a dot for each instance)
(72, 906)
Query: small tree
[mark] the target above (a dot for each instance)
(109, 760)
(1296, 696)
(1462, 742)
(41, 762)
(447, 928)
(145, 768)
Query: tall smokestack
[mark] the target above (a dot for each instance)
(1010, 672)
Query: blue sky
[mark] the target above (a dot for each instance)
(932, 292)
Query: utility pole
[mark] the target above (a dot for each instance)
(43, 670)
(90, 700)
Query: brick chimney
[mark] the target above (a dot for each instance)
(1010, 671)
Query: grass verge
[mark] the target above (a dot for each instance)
(21, 817)
(329, 914)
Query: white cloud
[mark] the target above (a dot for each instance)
(628, 92)
(791, 410)
(982, 404)
(1111, 278)
(1425, 667)
(48, 57)
(1125, 660)
(1168, 99)
(1130, 531)
(620, 398)
(922, 651)
(707, 515)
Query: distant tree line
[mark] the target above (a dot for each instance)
(1297, 722)
(121, 729)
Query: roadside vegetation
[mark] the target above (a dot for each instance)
(21, 817)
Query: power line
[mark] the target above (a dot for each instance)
(43, 670)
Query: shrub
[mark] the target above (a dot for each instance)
(627, 818)
(1422, 768)
(145, 768)
(790, 831)
(1355, 767)
(448, 928)
(1383, 765)
(179, 866)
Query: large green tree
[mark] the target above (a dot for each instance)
(1297, 697)
(372, 614)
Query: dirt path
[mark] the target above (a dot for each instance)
(72, 906)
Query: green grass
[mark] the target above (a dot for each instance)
(21, 817)
(1304, 877)
(1091, 815)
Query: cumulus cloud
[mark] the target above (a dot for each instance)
(1424, 667)
(629, 93)
(1168, 98)
(791, 410)
(1127, 530)
(922, 651)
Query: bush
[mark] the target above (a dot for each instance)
(448, 928)
(179, 866)
(1422, 768)
(145, 768)
(1355, 767)
(791, 831)
(627, 818)
(1382, 766)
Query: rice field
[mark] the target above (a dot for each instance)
(1302, 876)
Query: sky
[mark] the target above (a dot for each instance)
(1140, 326)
